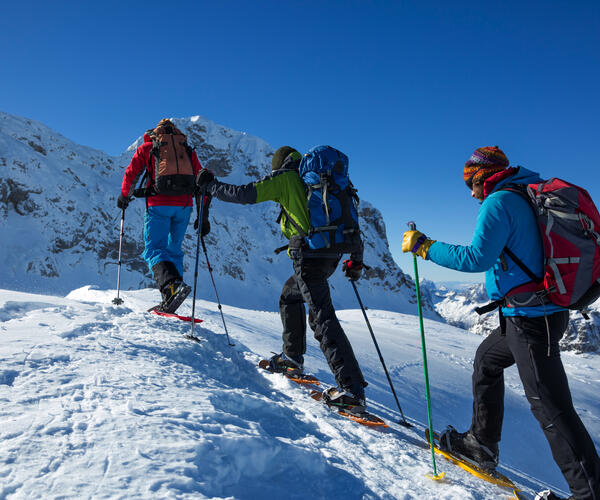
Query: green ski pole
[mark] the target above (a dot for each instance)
(435, 476)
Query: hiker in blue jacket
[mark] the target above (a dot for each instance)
(527, 335)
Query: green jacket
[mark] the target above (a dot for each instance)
(282, 186)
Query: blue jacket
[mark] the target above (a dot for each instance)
(505, 219)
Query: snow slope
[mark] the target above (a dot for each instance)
(98, 401)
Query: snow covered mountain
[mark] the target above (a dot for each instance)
(457, 307)
(60, 224)
(98, 401)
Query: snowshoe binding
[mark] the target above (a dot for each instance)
(468, 464)
(280, 363)
(466, 446)
(173, 296)
(348, 406)
(344, 401)
(289, 367)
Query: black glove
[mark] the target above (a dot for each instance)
(352, 269)
(205, 227)
(204, 177)
(122, 202)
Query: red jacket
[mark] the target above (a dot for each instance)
(138, 166)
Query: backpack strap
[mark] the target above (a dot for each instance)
(145, 191)
(521, 190)
(323, 185)
(523, 267)
(292, 222)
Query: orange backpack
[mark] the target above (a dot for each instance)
(173, 172)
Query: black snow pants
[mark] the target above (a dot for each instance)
(309, 285)
(525, 343)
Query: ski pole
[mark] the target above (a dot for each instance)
(199, 232)
(403, 422)
(436, 476)
(117, 300)
(216, 293)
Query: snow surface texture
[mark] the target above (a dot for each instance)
(457, 306)
(60, 224)
(98, 401)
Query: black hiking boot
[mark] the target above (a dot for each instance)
(173, 295)
(344, 401)
(466, 445)
(280, 363)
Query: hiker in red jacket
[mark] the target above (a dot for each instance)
(171, 167)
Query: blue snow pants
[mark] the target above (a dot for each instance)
(164, 230)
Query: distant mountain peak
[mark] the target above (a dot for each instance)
(58, 202)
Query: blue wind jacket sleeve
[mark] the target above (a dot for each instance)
(491, 234)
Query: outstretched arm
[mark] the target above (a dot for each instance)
(231, 193)
(271, 188)
(491, 235)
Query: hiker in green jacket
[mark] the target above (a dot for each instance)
(308, 284)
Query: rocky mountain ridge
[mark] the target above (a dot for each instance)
(457, 307)
(60, 223)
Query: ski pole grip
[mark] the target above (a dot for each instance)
(412, 226)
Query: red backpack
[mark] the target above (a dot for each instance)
(569, 225)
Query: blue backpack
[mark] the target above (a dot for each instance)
(332, 201)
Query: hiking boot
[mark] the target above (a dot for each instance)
(550, 495)
(173, 295)
(344, 400)
(280, 363)
(466, 445)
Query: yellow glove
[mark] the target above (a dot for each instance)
(417, 243)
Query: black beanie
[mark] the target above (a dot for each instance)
(280, 155)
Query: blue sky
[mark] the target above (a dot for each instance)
(407, 89)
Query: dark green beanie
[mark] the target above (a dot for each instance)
(280, 156)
